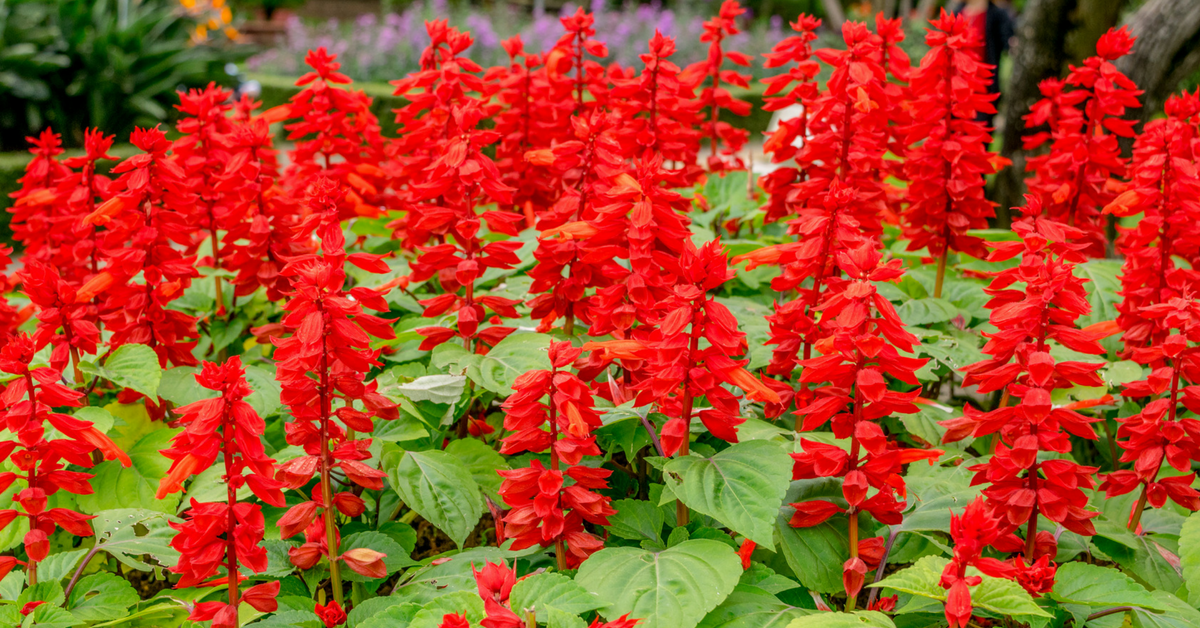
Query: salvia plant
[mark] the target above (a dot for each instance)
(552, 355)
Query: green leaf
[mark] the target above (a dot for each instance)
(1092, 585)
(637, 520)
(59, 566)
(857, 619)
(542, 591)
(367, 609)
(290, 619)
(131, 534)
(451, 573)
(482, 461)
(815, 554)
(1178, 614)
(751, 607)
(1189, 556)
(459, 602)
(674, 588)
(924, 424)
(742, 486)
(927, 310)
(443, 389)
(556, 618)
(133, 487)
(452, 358)
(48, 592)
(51, 616)
(1145, 560)
(395, 557)
(101, 596)
(1003, 597)
(440, 488)
(517, 354)
(390, 617)
(131, 366)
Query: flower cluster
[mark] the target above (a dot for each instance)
(545, 508)
(225, 534)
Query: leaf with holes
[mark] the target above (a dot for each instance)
(101, 596)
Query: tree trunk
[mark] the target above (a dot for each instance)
(1039, 53)
(1167, 50)
(834, 15)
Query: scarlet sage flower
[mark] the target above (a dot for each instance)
(586, 164)
(972, 532)
(948, 160)
(323, 364)
(461, 180)
(1157, 434)
(1027, 319)
(78, 242)
(227, 534)
(568, 59)
(549, 505)
(1072, 182)
(336, 137)
(331, 614)
(28, 401)
(660, 110)
(203, 152)
(37, 202)
(861, 348)
(794, 88)
(724, 139)
(63, 320)
(1164, 188)
(147, 223)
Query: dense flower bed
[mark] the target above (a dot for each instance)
(550, 356)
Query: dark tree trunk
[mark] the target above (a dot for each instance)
(1167, 50)
(1038, 53)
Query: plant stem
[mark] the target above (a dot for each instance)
(1031, 529)
(331, 544)
(560, 550)
(79, 571)
(231, 499)
(941, 273)
(1109, 611)
(887, 549)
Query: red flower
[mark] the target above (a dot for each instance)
(724, 139)
(549, 506)
(783, 143)
(948, 160)
(327, 357)
(1071, 181)
(331, 614)
(29, 400)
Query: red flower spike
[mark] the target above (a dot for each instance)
(725, 140)
(549, 506)
(326, 357)
(28, 401)
(1085, 114)
(948, 160)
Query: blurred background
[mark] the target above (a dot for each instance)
(114, 64)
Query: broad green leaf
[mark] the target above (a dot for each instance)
(101, 596)
(765, 578)
(60, 565)
(542, 591)
(134, 487)
(1003, 597)
(674, 588)
(50, 616)
(924, 424)
(367, 609)
(208, 486)
(751, 607)
(180, 388)
(857, 619)
(517, 354)
(443, 389)
(1120, 373)
(451, 573)
(935, 491)
(131, 534)
(391, 616)
(623, 428)
(454, 359)
(461, 603)
(440, 488)
(130, 366)
(556, 618)
(49, 592)
(1146, 561)
(395, 557)
(133, 422)
(742, 486)
(482, 461)
(290, 619)
(926, 311)
(1093, 585)
(1189, 556)
(636, 520)
(815, 554)
(1178, 614)
(101, 419)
